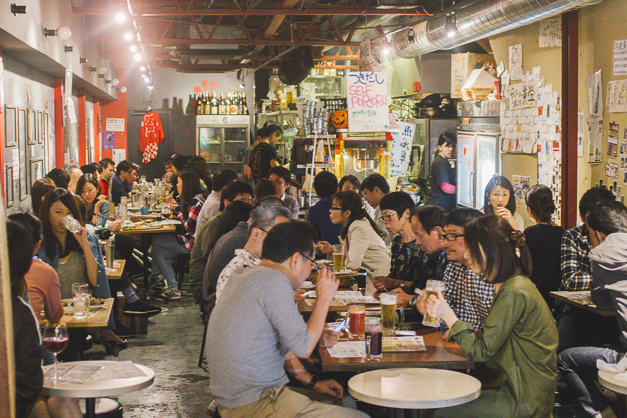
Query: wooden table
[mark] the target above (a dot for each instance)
(92, 389)
(439, 355)
(581, 299)
(145, 235)
(99, 319)
(115, 273)
(414, 388)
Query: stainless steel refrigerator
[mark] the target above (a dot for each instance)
(426, 144)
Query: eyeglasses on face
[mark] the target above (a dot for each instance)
(311, 260)
(450, 236)
(386, 219)
(335, 208)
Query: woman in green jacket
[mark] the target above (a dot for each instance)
(518, 341)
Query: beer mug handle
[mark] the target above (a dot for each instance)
(368, 341)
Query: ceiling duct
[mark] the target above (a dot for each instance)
(478, 21)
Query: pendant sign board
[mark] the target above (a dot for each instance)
(400, 149)
(115, 124)
(367, 102)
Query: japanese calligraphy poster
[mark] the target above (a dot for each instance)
(612, 140)
(367, 102)
(515, 61)
(617, 96)
(400, 149)
(550, 33)
(620, 57)
(523, 95)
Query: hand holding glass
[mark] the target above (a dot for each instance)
(433, 286)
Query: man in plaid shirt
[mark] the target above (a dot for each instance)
(469, 294)
(575, 326)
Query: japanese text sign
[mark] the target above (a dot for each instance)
(367, 102)
(400, 149)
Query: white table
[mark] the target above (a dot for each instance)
(98, 389)
(414, 388)
(609, 381)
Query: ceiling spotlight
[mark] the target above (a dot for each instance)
(242, 85)
(122, 89)
(107, 81)
(68, 48)
(102, 70)
(138, 57)
(62, 32)
(133, 48)
(386, 50)
(142, 68)
(83, 60)
(128, 36)
(93, 69)
(150, 87)
(450, 26)
(18, 10)
(120, 17)
(115, 82)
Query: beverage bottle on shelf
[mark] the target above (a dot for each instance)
(235, 105)
(243, 109)
(221, 105)
(214, 104)
(207, 105)
(200, 106)
(191, 106)
(227, 104)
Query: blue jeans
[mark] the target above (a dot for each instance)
(578, 369)
(165, 249)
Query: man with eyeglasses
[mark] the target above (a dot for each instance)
(282, 179)
(374, 187)
(468, 294)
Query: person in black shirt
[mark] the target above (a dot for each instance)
(443, 179)
(264, 156)
(544, 241)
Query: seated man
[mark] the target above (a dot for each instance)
(268, 210)
(468, 294)
(120, 186)
(61, 178)
(108, 169)
(211, 207)
(257, 319)
(374, 187)
(75, 173)
(607, 223)
(325, 185)
(577, 327)
(282, 179)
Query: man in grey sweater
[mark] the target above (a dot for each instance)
(256, 323)
(608, 222)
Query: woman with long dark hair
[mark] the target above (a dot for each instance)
(167, 247)
(500, 200)
(443, 178)
(362, 238)
(76, 257)
(96, 204)
(518, 341)
(38, 191)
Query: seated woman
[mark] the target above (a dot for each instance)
(365, 247)
(544, 241)
(396, 211)
(518, 341)
(167, 247)
(351, 183)
(500, 200)
(96, 204)
(75, 257)
(29, 375)
(38, 191)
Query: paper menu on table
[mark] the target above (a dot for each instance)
(73, 373)
(354, 296)
(346, 349)
(118, 370)
(403, 344)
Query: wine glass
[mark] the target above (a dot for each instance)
(55, 338)
(166, 212)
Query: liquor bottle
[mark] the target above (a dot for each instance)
(235, 105)
(227, 104)
(207, 105)
(200, 106)
(214, 104)
(191, 106)
(221, 105)
(243, 108)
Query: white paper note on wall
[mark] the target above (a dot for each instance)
(119, 155)
(515, 62)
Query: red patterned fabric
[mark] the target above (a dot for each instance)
(150, 135)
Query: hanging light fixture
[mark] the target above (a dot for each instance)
(451, 26)
(115, 82)
(120, 17)
(62, 32)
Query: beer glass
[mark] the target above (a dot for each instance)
(374, 340)
(432, 287)
(356, 321)
(80, 299)
(338, 257)
(388, 312)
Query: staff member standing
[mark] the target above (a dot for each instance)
(443, 179)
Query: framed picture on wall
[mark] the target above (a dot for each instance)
(36, 169)
(42, 128)
(10, 126)
(23, 154)
(46, 126)
(30, 127)
(9, 181)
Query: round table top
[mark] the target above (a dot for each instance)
(99, 388)
(414, 388)
(609, 380)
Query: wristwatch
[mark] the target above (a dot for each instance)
(312, 382)
(412, 301)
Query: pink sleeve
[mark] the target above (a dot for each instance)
(448, 188)
(52, 298)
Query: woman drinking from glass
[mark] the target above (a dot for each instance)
(96, 204)
(518, 341)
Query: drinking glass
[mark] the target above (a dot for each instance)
(388, 312)
(80, 299)
(166, 212)
(374, 340)
(432, 287)
(71, 224)
(55, 338)
(338, 257)
(356, 320)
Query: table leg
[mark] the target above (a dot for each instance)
(90, 407)
(145, 258)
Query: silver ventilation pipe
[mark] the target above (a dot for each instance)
(479, 21)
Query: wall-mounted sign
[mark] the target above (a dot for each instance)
(367, 102)
(108, 140)
(115, 124)
(400, 149)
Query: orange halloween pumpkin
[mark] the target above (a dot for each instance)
(340, 119)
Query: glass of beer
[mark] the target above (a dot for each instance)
(338, 257)
(374, 340)
(356, 321)
(432, 287)
(388, 312)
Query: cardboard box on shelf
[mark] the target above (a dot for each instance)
(461, 67)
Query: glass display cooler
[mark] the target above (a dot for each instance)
(222, 139)
(362, 154)
(425, 145)
(477, 163)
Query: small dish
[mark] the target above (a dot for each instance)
(307, 285)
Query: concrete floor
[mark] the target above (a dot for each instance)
(170, 348)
